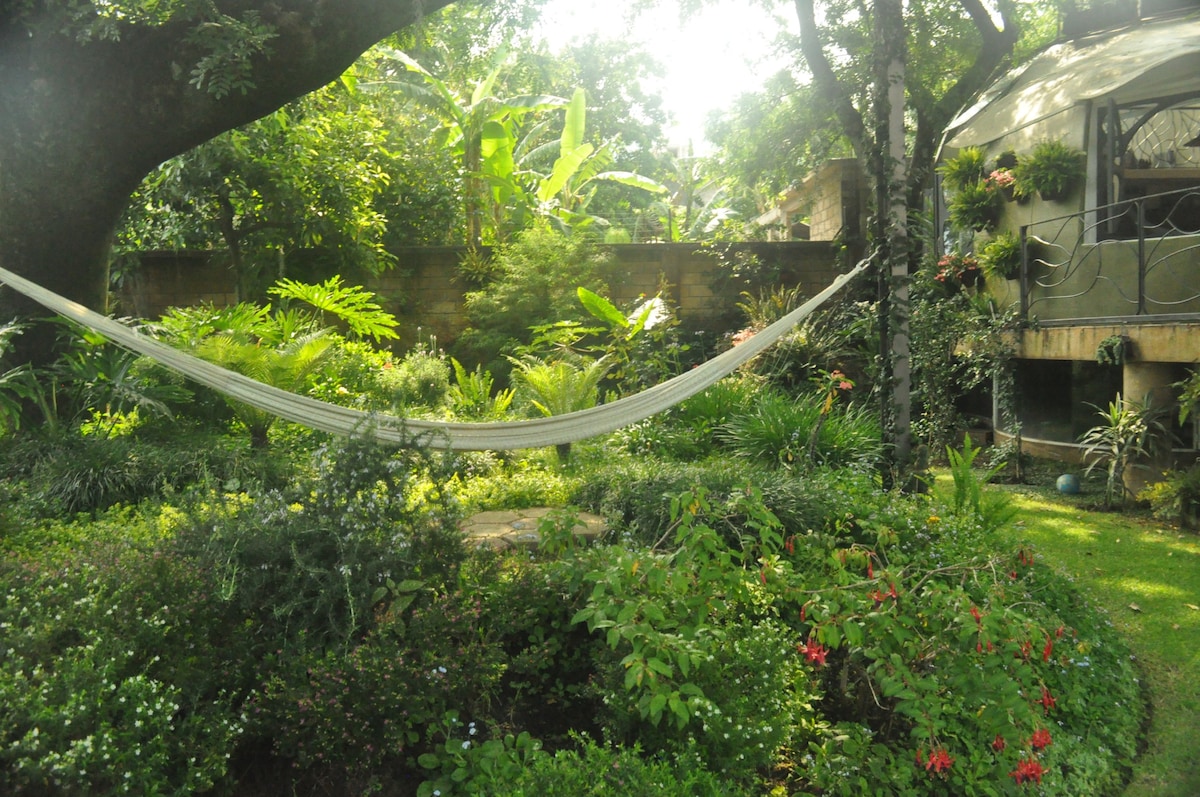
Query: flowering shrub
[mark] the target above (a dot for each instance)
(956, 271)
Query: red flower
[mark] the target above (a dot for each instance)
(1040, 739)
(1028, 769)
(998, 744)
(1048, 702)
(976, 614)
(1046, 651)
(814, 652)
(939, 760)
(870, 567)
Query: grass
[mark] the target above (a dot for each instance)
(1146, 575)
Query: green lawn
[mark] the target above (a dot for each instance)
(1146, 575)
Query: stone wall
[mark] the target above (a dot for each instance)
(424, 291)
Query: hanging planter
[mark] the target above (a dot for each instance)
(969, 166)
(1115, 350)
(1001, 256)
(976, 206)
(1053, 170)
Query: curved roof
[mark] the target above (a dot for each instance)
(1151, 59)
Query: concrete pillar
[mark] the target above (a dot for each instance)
(1149, 384)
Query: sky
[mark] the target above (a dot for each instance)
(709, 58)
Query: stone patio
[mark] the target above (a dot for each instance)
(511, 528)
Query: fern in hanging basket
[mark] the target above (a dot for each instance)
(966, 168)
(976, 206)
(1053, 170)
(1001, 256)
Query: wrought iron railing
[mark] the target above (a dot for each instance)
(1134, 260)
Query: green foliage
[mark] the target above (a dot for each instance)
(107, 683)
(976, 206)
(1053, 169)
(966, 168)
(1114, 350)
(310, 561)
(1128, 432)
(560, 386)
(535, 284)
(1001, 256)
(802, 433)
(592, 770)
(473, 395)
(351, 304)
(467, 766)
(305, 177)
(991, 509)
(515, 485)
(72, 473)
(1176, 498)
(230, 46)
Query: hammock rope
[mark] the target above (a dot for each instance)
(461, 436)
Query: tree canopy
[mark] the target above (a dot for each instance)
(96, 95)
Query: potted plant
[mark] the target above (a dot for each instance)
(1005, 182)
(976, 206)
(1053, 169)
(1001, 256)
(966, 168)
(1114, 350)
(957, 271)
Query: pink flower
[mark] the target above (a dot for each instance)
(814, 653)
(1001, 178)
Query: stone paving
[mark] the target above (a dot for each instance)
(510, 528)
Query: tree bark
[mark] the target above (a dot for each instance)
(82, 121)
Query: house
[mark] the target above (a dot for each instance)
(1113, 268)
(833, 199)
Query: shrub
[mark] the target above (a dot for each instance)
(318, 561)
(802, 433)
(109, 681)
(593, 770)
(534, 283)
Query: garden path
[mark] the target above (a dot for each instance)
(511, 528)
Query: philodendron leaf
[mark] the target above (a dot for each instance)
(601, 308)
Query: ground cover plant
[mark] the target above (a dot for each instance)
(1141, 571)
(334, 635)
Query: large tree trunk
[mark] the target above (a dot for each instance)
(83, 121)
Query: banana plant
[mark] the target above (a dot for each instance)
(483, 123)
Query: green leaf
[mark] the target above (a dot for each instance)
(429, 761)
(634, 180)
(601, 308)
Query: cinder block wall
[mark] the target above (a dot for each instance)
(425, 292)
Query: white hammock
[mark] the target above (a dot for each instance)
(506, 435)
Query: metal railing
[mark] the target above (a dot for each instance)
(1134, 260)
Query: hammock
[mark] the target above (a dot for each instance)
(536, 433)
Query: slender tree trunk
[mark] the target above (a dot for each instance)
(890, 172)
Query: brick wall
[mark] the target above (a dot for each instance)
(423, 290)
